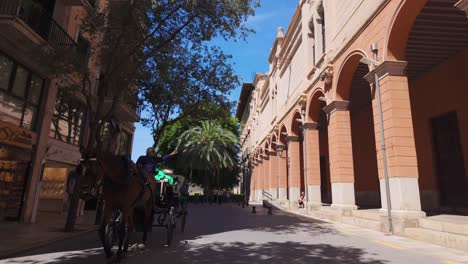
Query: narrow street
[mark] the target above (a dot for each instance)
(230, 234)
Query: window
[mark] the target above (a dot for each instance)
(321, 13)
(6, 67)
(67, 120)
(124, 144)
(20, 94)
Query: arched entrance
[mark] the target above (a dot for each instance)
(322, 176)
(436, 49)
(355, 89)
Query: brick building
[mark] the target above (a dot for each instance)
(312, 123)
(40, 131)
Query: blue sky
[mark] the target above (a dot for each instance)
(249, 56)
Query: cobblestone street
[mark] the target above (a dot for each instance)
(230, 234)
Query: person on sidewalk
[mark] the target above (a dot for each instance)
(301, 200)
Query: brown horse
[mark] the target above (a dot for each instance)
(125, 189)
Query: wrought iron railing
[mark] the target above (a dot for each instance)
(39, 20)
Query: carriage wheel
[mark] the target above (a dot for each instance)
(170, 223)
(113, 233)
(112, 237)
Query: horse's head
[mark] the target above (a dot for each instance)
(91, 178)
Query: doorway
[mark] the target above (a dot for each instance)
(449, 161)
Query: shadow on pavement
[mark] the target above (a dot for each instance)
(220, 234)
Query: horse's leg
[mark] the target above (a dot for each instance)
(129, 230)
(102, 231)
(148, 219)
(123, 232)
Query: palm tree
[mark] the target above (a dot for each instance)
(209, 147)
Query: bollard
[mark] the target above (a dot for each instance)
(253, 210)
(269, 210)
(243, 205)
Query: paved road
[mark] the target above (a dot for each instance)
(230, 234)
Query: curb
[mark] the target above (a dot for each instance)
(15, 252)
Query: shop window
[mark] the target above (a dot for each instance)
(67, 120)
(20, 94)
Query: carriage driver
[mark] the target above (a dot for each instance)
(150, 161)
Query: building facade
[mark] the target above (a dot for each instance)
(40, 130)
(313, 123)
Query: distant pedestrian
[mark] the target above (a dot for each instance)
(301, 200)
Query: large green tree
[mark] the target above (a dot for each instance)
(211, 150)
(136, 37)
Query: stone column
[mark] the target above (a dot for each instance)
(266, 170)
(312, 164)
(282, 173)
(402, 162)
(253, 182)
(31, 196)
(273, 175)
(261, 179)
(341, 155)
(294, 168)
(462, 5)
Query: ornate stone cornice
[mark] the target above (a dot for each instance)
(310, 126)
(392, 68)
(336, 106)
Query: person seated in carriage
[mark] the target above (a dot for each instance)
(150, 161)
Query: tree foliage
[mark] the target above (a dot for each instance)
(188, 71)
(212, 150)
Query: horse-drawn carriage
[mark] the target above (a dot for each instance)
(133, 199)
(171, 204)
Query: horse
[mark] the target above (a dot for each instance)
(125, 188)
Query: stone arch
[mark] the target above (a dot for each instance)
(435, 60)
(400, 28)
(314, 107)
(346, 74)
(283, 134)
(352, 87)
(295, 127)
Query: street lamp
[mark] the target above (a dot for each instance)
(279, 150)
(373, 62)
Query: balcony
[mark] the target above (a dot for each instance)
(125, 111)
(26, 24)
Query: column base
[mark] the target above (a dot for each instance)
(404, 194)
(314, 194)
(283, 194)
(294, 193)
(343, 196)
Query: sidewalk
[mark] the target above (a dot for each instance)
(17, 237)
